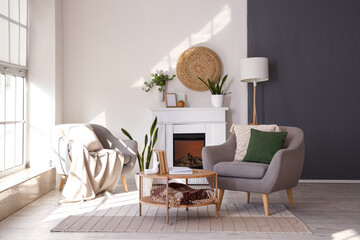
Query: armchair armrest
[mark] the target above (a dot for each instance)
(219, 153)
(285, 168)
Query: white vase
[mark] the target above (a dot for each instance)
(146, 184)
(217, 100)
(161, 96)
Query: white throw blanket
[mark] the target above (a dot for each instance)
(91, 173)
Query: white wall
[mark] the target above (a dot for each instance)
(59, 61)
(110, 47)
(44, 81)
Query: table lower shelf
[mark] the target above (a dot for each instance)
(148, 200)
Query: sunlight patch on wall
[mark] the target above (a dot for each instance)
(40, 108)
(39, 103)
(100, 119)
(169, 61)
(210, 29)
(219, 22)
(139, 83)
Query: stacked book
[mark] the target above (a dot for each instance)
(163, 165)
(160, 156)
(180, 170)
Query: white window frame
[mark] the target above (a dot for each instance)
(17, 70)
(18, 23)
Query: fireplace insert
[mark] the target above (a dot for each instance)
(187, 149)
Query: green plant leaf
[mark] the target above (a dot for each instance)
(223, 81)
(218, 89)
(153, 127)
(172, 77)
(155, 137)
(148, 160)
(151, 150)
(204, 82)
(140, 162)
(212, 87)
(145, 144)
(146, 140)
(126, 134)
(148, 157)
(142, 154)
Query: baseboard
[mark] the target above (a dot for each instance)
(327, 181)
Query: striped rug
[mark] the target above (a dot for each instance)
(232, 218)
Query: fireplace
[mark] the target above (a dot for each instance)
(210, 122)
(187, 149)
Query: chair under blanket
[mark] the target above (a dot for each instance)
(283, 172)
(107, 140)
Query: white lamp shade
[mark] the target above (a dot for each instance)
(254, 69)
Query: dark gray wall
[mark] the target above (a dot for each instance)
(314, 51)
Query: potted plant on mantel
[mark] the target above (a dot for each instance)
(217, 94)
(158, 79)
(144, 160)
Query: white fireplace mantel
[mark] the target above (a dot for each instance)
(210, 121)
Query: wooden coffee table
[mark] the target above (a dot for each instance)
(197, 173)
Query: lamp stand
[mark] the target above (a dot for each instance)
(254, 106)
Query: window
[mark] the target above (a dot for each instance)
(13, 48)
(13, 29)
(12, 121)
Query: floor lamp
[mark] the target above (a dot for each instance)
(254, 69)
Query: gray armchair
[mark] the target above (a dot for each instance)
(108, 141)
(282, 173)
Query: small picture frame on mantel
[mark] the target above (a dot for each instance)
(170, 100)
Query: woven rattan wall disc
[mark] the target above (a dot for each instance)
(198, 62)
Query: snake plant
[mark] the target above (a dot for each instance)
(153, 135)
(216, 88)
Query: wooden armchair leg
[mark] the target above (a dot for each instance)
(247, 197)
(62, 182)
(289, 193)
(221, 195)
(265, 198)
(123, 179)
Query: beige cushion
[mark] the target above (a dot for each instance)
(84, 134)
(242, 133)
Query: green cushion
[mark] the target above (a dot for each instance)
(263, 146)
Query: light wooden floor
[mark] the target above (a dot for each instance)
(331, 211)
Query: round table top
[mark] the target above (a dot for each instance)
(197, 173)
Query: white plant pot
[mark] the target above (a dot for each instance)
(217, 100)
(146, 184)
